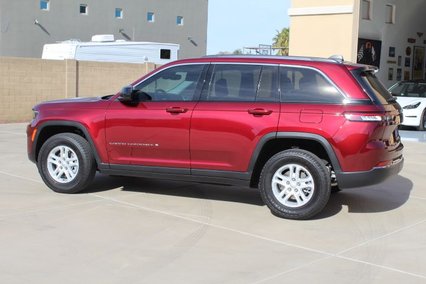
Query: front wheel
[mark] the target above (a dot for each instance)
(422, 125)
(295, 184)
(66, 163)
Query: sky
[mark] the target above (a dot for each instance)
(234, 24)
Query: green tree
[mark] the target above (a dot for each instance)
(282, 40)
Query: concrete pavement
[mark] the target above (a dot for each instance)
(130, 230)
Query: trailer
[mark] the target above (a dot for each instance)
(104, 48)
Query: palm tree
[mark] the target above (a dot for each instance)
(282, 40)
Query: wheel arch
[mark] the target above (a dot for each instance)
(273, 143)
(50, 128)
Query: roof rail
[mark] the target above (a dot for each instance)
(301, 58)
(338, 58)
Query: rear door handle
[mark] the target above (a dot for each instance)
(176, 110)
(259, 111)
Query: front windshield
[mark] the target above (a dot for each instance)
(409, 89)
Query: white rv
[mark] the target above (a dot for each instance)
(105, 48)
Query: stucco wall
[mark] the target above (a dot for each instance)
(323, 29)
(409, 20)
(329, 38)
(25, 82)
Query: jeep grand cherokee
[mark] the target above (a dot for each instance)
(293, 127)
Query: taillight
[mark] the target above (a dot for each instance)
(366, 117)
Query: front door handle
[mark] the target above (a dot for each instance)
(259, 111)
(176, 110)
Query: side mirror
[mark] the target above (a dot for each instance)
(126, 94)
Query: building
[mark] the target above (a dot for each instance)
(25, 26)
(390, 34)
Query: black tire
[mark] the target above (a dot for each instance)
(422, 125)
(75, 148)
(335, 189)
(310, 168)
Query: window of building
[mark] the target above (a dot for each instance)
(179, 20)
(165, 53)
(119, 13)
(366, 9)
(84, 9)
(150, 17)
(44, 5)
(390, 13)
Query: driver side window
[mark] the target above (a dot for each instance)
(173, 84)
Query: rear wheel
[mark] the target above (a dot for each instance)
(422, 125)
(66, 163)
(295, 184)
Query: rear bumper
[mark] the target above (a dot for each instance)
(374, 176)
(411, 120)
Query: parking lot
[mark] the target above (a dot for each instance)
(130, 230)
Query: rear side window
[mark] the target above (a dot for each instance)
(307, 85)
(374, 88)
(242, 83)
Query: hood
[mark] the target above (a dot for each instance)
(75, 103)
(79, 100)
(404, 101)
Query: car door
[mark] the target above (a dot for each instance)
(154, 129)
(239, 105)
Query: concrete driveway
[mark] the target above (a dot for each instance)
(129, 230)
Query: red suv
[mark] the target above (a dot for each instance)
(293, 127)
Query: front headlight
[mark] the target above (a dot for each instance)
(412, 106)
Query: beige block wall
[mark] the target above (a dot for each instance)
(323, 35)
(25, 82)
(104, 78)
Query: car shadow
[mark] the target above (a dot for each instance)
(383, 197)
(176, 188)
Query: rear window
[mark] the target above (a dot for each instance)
(372, 85)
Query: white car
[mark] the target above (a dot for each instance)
(411, 95)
